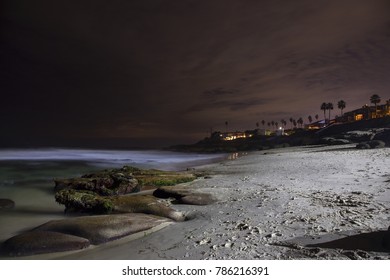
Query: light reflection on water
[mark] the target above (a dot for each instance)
(234, 156)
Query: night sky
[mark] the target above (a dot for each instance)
(161, 72)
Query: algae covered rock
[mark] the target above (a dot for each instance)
(39, 242)
(145, 204)
(123, 180)
(184, 195)
(104, 183)
(103, 228)
(158, 178)
(84, 201)
(90, 202)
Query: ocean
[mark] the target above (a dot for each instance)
(26, 177)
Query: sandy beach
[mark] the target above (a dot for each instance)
(271, 205)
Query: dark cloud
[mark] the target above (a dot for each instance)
(167, 69)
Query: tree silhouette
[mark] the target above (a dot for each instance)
(341, 105)
(263, 122)
(375, 99)
(226, 124)
(291, 121)
(310, 119)
(316, 116)
(324, 107)
(300, 122)
(257, 124)
(329, 107)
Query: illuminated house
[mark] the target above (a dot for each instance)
(228, 136)
(366, 112)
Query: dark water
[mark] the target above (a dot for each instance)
(26, 177)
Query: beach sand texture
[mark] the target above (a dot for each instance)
(272, 205)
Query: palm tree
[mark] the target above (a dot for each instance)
(295, 123)
(300, 122)
(324, 107)
(316, 116)
(341, 105)
(329, 107)
(257, 124)
(291, 121)
(310, 119)
(263, 122)
(375, 99)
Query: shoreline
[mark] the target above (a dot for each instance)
(271, 204)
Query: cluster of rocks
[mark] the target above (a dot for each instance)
(368, 139)
(114, 207)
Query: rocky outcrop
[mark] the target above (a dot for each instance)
(383, 136)
(373, 144)
(334, 141)
(113, 182)
(146, 204)
(39, 242)
(84, 201)
(184, 195)
(6, 203)
(89, 202)
(103, 228)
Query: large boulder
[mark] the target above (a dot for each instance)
(184, 195)
(39, 242)
(103, 184)
(383, 136)
(6, 203)
(103, 228)
(89, 202)
(84, 201)
(373, 144)
(145, 204)
(123, 180)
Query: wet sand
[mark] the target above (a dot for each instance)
(271, 205)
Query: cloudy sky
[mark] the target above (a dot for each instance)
(160, 72)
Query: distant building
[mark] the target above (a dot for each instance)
(366, 112)
(228, 136)
(316, 125)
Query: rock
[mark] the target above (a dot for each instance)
(363, 145)
(84, 201)
(89, 202)
(158, 178)
(6, 203)
(145, 204)
(103, 228)
(39, 242)
(124, 180)
(375, 144)
(386, 239)
(102, 184)
(184, 195)
(383, 136)
(334, 141)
